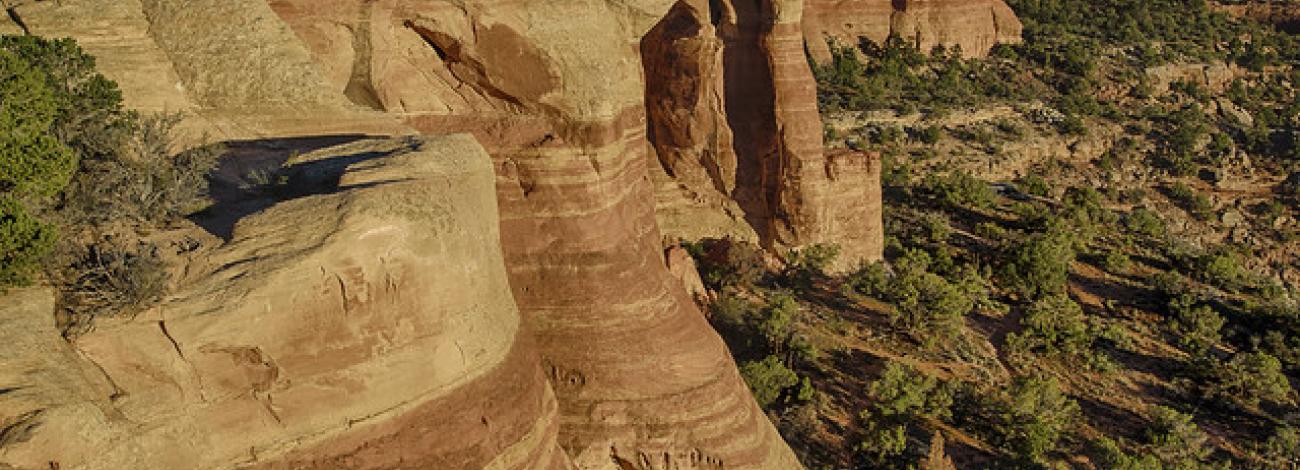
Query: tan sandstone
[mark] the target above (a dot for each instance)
(334, 330)
(374, 325)
(974, 25)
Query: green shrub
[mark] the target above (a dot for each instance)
(926, 305)
(1116, 262)
(727, 262)
(1035, 416)
(871, 280)
(959, 189)
(1282, 448)
(777, 317)
(1193, 202)
(1034, 185)
(900, 395)
(89, 116)
(929, 135)
(1196, 326)
(840, 84)
(805, 264)
(1169, 284)
(1144, 222)
(895, 172)
(1175, 440)
(1072, 125)
(1040, 265)
(1114, 458)
(1249, 378)
(33, 164)
(24, 242)
(1054, 326)
(33, 167)
(1222, 269)
(934, 228)
(768, 379)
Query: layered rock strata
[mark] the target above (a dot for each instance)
(370, 324)
(366, 325)
(732, 109)
(974, 25)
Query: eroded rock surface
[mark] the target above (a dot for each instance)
(373, 324)
(733, 117)
(342, 329)
(974, 25)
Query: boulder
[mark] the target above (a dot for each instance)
(332, 331)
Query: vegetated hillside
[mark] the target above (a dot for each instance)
(1091, 255)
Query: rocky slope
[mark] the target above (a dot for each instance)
(386, 297)
(975, 25)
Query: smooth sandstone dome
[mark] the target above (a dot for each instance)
(335, 330)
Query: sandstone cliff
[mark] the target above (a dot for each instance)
(733, 117)
(368, 326)
(975, 25)
(336, 330)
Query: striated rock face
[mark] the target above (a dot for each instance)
(733, 117)
(372, 325)
(337, 330)
(975, 25)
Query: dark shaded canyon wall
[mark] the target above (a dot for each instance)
(732, 108)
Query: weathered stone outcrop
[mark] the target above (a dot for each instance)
(1285, 15)
(370, 326)
(975, 25)
(642, 381)
(732, 108)
(232, 67)
(344, 329)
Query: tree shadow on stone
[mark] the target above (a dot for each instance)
(250, 177)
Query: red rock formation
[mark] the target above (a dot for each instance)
(854, 207)
(368, 327)
(738, 68)
(975, 25)
(555, 92)
(683, 268)
(683, 59)
(642, 380)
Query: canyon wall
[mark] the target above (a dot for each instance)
(334, 333)
(975, 25)
(500, 301)
(732, 107)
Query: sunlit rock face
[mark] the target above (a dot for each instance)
(974, 25)
(492, 300)
(343, 329)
